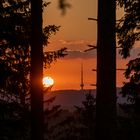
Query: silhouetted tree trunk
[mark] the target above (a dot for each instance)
(36, 71)
(106, 71)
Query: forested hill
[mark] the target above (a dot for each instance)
(69, 98)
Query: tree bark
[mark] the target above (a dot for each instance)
(37, 120)
(106, 71)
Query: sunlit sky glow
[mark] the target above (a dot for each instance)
(76, 33)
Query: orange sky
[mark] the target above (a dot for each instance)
(75, 33)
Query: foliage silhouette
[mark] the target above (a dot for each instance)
(77, 124)
(15, 31)
(128, 28)
(50, 114)
(131, 89)
(15, 51)
(128, 32)
(14, 121)
(87, 115)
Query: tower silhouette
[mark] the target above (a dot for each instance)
(82, 80)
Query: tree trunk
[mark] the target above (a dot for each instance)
(106, 71)
(37, 120)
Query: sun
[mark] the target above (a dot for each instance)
(48, 81)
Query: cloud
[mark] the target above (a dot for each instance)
(76, 49)
(73, 45)
(93, 54)
(73, 42)
(81, 54)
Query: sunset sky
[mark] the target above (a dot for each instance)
(76, 33)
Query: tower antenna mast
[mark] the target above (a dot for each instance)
(82, 80)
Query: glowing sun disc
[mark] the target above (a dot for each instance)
(48, 81)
